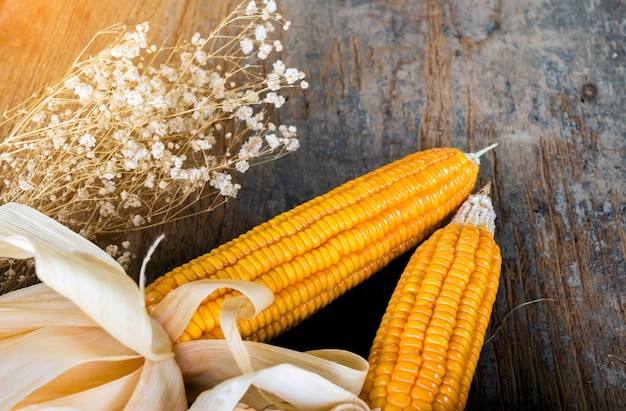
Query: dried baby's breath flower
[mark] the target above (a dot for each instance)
(134, 134)
(16, 274)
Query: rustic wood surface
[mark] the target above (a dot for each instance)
(544, 78)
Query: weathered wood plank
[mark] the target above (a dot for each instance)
(513, 74)
(388, 78)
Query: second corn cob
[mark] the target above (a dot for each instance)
(427, 346)
(315, 252)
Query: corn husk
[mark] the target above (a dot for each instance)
(83, 339)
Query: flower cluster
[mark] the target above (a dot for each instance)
(134, 135)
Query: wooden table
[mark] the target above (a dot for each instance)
(544, 79)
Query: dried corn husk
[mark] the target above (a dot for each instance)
(83, 339)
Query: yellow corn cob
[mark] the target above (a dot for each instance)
(425, 351)
(315, 252)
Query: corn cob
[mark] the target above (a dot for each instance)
(313, 253)
(427, 346)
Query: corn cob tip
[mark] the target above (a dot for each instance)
(475, 157)
(477, 210)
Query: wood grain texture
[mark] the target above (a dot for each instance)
(388, 78)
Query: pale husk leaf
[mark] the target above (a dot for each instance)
(150, 392)
(33, 294)
(82, 272)
(178, 306)
(320, 380)
(298, 389)
(206, 363)
(111, 396)
(39, 306)
(80, 329)
(141, 389)
(31, 361)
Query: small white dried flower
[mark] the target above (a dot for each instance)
(149, 182)
(25, 185)
(246, 46)
(82, 90)
(124, 259)
(186, 58)
(275, 99)
(279, 67)
(107, 209)
(251, 97)
(71, 82)
(251, 148)
(179, 160)
(272, 140)
(270, 7)
(87, 140)
(222, 182)
(200, 145)
(197, 39)
(132, 201)
(264, 50)
(217, 85)
(112, 250)
(244, 113)
(134, 98)
(39, 117)
(158, 148)
(201, 57)
(142, 27)
(287, 131)
(273, 81)
(251, 8)
(260, 34)
(108, 187)
(242, 166)
(292, 144)
(170, 73)
(229, 105)
(138, 220)
(291, 75)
